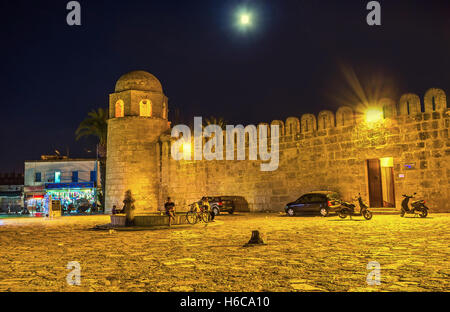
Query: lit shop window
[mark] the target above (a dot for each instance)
(57, 176)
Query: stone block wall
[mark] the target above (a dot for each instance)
(132, 161)
(330, 152)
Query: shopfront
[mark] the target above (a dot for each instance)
(35, 199)
(11, 201)
(74, 197)
(72, 184)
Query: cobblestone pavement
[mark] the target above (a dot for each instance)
(302, 254)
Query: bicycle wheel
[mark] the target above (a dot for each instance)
(206, 216)
(191, 217)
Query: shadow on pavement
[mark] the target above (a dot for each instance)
(343, 220)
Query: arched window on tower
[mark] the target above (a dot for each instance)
(119, 109)
(145, 107)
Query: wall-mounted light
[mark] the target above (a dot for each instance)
(374, 114)
(387, 162)
(187, 150)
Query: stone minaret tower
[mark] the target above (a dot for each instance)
(137, 117)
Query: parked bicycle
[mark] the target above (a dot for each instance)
(197, 214)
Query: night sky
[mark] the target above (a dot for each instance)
(291, 61)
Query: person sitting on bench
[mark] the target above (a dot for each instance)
(170, 210)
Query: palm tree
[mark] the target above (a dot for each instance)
(215, 121)
(95, 125)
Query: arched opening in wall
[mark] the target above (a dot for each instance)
(292, 126)
(344, 116)
(433, 103)
(280, 125)
(309, 123)
(407, 107)
(119, 109)
(145, 108)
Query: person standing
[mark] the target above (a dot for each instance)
(169, 206)
(207, 208)
(129, 208)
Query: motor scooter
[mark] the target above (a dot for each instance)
(348, 209)
(417, 207)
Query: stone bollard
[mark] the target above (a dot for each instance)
(255, 239)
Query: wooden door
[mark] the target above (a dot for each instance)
(375, 189)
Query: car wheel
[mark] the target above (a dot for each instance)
(342, 214)
(290, 212)
(324, 212)
(216, 211)
(231, 211)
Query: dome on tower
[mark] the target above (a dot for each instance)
(138, 80)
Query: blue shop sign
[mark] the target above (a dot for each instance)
(73, 185)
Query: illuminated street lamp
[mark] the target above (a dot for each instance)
(187, 150)
(374, 114)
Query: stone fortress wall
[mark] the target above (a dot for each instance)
(327, 152)
(330, 152)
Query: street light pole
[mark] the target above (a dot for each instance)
(96, 178)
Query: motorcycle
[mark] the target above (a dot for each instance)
(418, 207)
(348, 209)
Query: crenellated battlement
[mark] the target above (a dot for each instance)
(409, 104)
(327, 123)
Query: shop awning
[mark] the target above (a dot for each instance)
(34, 190)
(74, 185)
(29, 189)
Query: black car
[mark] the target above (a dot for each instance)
(314, 203)
(223, 204)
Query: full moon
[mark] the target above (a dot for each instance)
(245, 19)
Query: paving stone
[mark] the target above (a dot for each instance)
(302, 254)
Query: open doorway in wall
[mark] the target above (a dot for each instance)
(380, 173)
